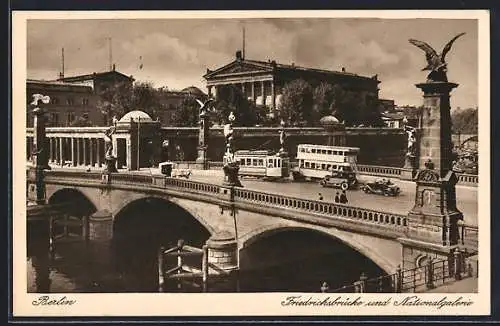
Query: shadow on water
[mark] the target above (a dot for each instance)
(292, 260)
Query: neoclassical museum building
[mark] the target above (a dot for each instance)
(262, 82)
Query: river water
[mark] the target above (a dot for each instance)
(294, 262)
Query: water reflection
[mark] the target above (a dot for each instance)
(296, 261)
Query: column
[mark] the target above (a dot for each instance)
(91, 151)
(79, 151)
(209, 91)
(262, 90)
(253, 92)
(243, 90)
(51, 150)
(61, 151)
(98, 151)
(273, 96)
(73, 149)
(84, 143)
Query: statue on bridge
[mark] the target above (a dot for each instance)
(230, 166)
(411, 151)
(108, 154)
(435, 61)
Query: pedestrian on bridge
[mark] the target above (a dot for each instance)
(337, 197)
(343, 197)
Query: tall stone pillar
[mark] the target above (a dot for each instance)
(433, 227)
(40, 156)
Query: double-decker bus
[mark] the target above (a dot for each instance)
(263, 163)
(317, 161)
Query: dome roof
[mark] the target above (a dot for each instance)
(193, 90)
(329, 119)
(136, 116)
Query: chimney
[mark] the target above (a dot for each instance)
(343, 69)
(239, 55)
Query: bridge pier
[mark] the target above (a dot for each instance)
(100, 226)
(223, 251)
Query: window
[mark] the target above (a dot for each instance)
(249, 161)
(70, 101)
(313, 150)
(323, 151)
(54, 100)
(261, 162)
(329, 152)
(54, 118)
(302, 150)
(323, 166)
(70, 116)
(242, 161)
(85, 102)
(301, 163)
(313, 165)
(308, 165)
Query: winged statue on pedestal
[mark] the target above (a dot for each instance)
(435, 62)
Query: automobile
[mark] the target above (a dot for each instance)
(170, 169)
(339, 179)
(381, 187)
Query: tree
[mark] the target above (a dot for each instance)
(465, 121)
(146, 98)
(296, 105)
(324, 100)
(187, 114)
(115, 99)
(231, 99)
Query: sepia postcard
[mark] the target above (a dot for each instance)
(251, 163)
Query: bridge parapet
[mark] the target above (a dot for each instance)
(395, 221)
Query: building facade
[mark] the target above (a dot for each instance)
(171, 100)
(74, 97)
(67, 102)
(262, 82)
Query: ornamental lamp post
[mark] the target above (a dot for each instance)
(40, 143)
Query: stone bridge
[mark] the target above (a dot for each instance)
(234, 218)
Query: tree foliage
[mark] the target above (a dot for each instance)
(115, 99)
(82, 121)
(231, 99)
(187, 114)
(300, 105)
(296, 106)
(465, 121)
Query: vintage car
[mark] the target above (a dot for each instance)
(338, 179)
(381, 187)
(170, 169)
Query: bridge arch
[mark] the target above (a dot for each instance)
(123, 204)
(367, 251)
(81, 204)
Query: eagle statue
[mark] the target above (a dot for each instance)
(435, 62)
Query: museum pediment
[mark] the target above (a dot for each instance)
(237, 67)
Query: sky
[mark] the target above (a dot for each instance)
(177, 52)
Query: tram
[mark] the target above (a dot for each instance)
(263, 164)
(317, 161)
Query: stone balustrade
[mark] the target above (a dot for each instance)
(379, 219)
(383, 171)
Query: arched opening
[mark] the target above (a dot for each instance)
(299, 260)
(139, 230)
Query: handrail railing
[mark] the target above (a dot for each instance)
(385, 171)
(418, 279)
(396, 222)
(320, 207)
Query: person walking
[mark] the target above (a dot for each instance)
(320, 196)
(337, 197)
(343, 197)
